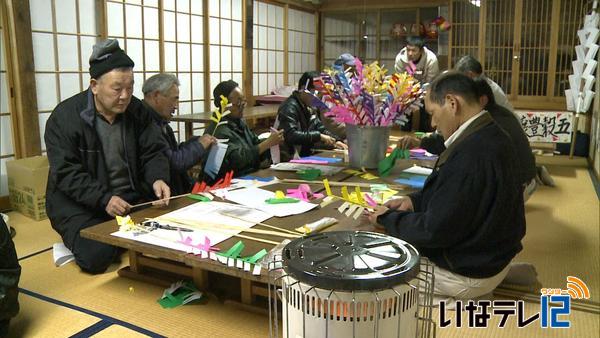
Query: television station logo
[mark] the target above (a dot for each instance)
(555, 307)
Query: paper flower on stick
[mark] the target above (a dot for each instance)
(368, 97)
(220, 113)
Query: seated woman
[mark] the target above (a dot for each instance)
(300, 122)
(245, 151)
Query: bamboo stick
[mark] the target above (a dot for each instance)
(339, 184)
(260, 223)
(163, 199)
(218, 227)
(141, 228)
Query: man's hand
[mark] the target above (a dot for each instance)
(328, 140)
(207, 140)
(401, 204)
(117, 207)
(379, 210)
(162, 191)
(409, 142)
(341, 145)
(275, 138)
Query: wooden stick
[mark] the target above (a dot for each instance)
(164, 199)
(340, 184)
(256, 239)
(234, 235)
(260, 223)
(216, 227)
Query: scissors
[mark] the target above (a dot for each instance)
(153, 225)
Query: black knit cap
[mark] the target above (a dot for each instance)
(224, 88)
(106, 56)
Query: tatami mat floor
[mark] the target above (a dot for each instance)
(562, 239)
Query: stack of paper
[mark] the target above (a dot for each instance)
(580, 95)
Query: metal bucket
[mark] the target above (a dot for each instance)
(367, 145)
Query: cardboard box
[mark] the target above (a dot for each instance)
(27, 179)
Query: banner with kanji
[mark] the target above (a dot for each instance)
(553, 127)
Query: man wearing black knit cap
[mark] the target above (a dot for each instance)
(105, 155)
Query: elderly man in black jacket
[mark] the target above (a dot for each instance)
(468, 219)
(302, 128)
(105, 154)
(161, 98)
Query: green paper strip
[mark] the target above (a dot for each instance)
(200, 198)
(234, 251)
(282, 200)
(309, 174)
(379, 187)
(256, 257)
(419, 134)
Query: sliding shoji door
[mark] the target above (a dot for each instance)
(301, 44)
(225, 38)
(268, 48)
(134, 23)
(7, 152)
(525, 45)
(351, 32)
(63, 33)
(183, 22)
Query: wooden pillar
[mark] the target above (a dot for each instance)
(247, 46)
(206, 49)
(20, 70)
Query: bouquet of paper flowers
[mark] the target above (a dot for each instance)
(368, 97)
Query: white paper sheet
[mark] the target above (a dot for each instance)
(570, 100)
(579, 51)
(589, 82)
(326, 170)
(209, 212)
(418, 170)
(590, 68)
(592, 36)
(255, 198)
(215, 159)
(591, 53)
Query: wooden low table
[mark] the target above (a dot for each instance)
(160, 265)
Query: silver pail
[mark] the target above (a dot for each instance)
(367, 145)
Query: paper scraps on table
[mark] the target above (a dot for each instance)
(222, 183)
(232, 257)
(354, 203)
(179, 293)
(326, 170)
(280, 198)
(386, 165)
(361, 174)
(303, 193)
(418, 170)
(309, 174)
(255, 198)
(317, 226)
(422, 154)
(201, 249)
(321, 159)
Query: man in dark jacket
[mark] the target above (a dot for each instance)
(524, 158)
(245, 152)
(10, 272)
(300, 122)
(105, 154)
(161, 98)
(468, 219)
